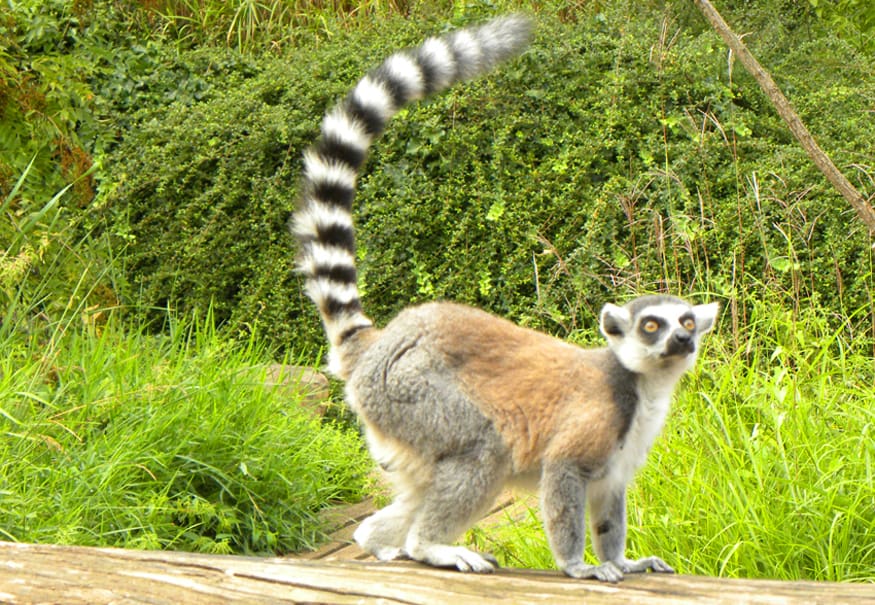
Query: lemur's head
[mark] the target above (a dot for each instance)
(656, 333)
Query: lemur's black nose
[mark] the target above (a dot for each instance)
(680, 343)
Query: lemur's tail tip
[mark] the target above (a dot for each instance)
(507, 35)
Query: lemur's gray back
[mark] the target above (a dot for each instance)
(323, 224)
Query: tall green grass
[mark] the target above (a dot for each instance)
(766, 467)
(112, 436)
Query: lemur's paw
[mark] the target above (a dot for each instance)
(654, 564)
(469, 561)
(388, 553)
(457, 557)
(606, 572)
(491, 558)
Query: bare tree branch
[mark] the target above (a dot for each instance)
(785, 110)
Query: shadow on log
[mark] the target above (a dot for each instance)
(76, 575)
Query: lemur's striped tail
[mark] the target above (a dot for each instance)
(323, 224)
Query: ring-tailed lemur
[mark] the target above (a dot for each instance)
(457, 403)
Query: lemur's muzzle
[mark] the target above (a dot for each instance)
(680, 343)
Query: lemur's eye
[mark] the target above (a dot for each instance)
(689, 324)
(650, 326)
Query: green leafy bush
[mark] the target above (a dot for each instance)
(44, 99)
(853, 20)
(200, 192)
(616, 155)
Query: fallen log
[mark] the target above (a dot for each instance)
(73, 575)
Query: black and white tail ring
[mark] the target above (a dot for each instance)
(323, 224)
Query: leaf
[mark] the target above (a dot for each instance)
(496, 211)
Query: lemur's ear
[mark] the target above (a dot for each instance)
(615, 321)
(705, 316)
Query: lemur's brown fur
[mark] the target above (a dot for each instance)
(536, 389)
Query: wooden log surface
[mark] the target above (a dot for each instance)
(76, 575)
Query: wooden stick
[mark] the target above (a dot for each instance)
(785, 110)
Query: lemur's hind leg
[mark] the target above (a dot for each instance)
(462, 489)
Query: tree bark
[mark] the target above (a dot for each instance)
(785, 110)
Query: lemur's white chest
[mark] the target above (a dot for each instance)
(654, 401)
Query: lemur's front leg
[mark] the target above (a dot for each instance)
(563, 499)
(607, 513)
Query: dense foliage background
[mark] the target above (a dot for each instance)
(149, 157)
(625, 152)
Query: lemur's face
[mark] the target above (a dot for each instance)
(656, 332)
